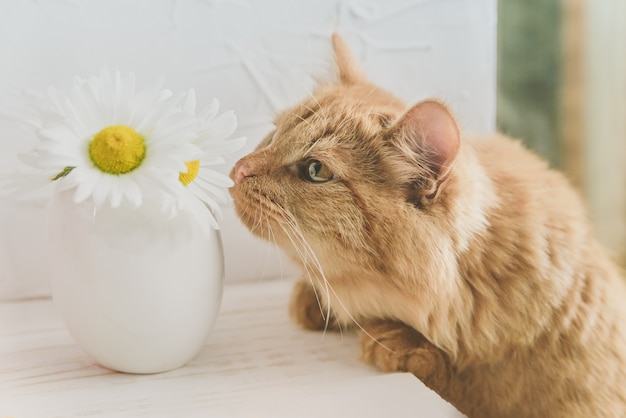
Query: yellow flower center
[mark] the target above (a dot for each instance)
(192, 171)
(117, 149)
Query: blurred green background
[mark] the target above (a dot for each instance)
(561, 89)
(529, 68)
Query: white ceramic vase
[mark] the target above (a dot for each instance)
(138, 292)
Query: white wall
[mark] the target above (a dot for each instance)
(256, 57)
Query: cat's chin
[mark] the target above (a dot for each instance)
(248, 211)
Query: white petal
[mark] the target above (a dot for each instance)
(107, 98)
(189, 103)
(132, 193)
(208, 193)
(210, 111)
(204, 216)
(116, 194)
(84, 189)
(220, 128)
(162, 106)
(61, 134)
(215, 177)
(101, 190)
(219, 149)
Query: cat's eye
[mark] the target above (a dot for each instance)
(314, 171)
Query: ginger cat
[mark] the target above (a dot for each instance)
(465, 261)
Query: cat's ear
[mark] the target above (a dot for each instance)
(349, 70)
(429, 132)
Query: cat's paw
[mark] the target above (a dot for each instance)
(395, 347)
(306, 310)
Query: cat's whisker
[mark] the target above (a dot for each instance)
(329, 288)
(366, 96)
(257, 220)
(306, 252)
(262, 223)
(276, 246)
(317, 264)
(258, 217)
(353, 319)
(313, 111)
(302, 253)
(359, 103)
(303, 119)
(252, 215)
(310, 276)
(308, 150)
(265, 226)
(246, 213)
(310, 93)
(317, 102)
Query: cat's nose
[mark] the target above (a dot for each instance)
(242, 170)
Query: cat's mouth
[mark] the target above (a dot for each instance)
(258, 209)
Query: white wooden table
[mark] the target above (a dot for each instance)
(256, 363)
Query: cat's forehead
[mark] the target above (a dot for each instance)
(338, 113)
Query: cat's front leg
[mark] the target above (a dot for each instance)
(307, 309)
(395, 347)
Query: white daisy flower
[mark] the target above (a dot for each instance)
(106, 142)
(205, 188)
(111, 143)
